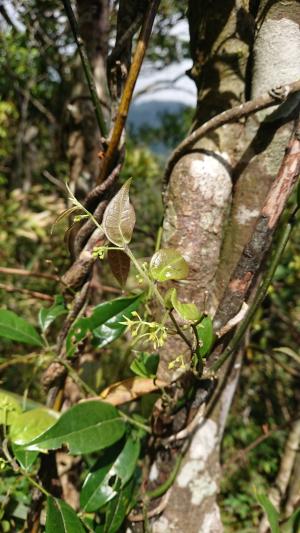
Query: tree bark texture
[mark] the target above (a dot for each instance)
(84, 140)
(213, 199)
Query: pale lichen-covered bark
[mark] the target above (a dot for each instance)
(211, 226)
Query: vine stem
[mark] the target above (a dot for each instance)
(149, 282)
(86, 68)
(16, 468)
(229, 115)
(240, 332)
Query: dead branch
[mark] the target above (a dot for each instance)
(129, 88)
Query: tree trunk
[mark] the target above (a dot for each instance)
(213, 199)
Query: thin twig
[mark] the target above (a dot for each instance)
(180, 332)
(230, 115)
(120, 45)
(86, 67)
(27, 273)
(34, 294)
(129, 88)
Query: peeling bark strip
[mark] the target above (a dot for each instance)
(259, 243)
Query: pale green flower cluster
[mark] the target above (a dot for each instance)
(148, 331)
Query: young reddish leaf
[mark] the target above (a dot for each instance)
(119, 217)
(119, 263)
(168, 264)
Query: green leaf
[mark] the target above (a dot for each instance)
(271, 512)
(206, 335)
(168, 264)
(85, 428)
(145, 365)
(17, 329)
(61, 518)
(186, 311)
(118, 508)
(24, 457)
(27, 426)
(109, 475)
(119, 263)
(289, 352)
(10, 408)
(47, 315)
(292, 525)
(119, 217)
(104, 322)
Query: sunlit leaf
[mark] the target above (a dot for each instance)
(29, 425)
(167, 264)
(206, 335)
(130, 389)
(271, 512)
(104, 322)
(85, 428)
(187, 311)
(119, 217)
(16, 328)
(25, 458)
(61, 518)
(47, 315)
(109, 475)
(145, 365)
(10, 408)
(118, 508)
(119, 263)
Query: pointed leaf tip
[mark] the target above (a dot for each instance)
(119, 217)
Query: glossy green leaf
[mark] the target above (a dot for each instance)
(119, 217)
(145, 365)
(24, 457)
(119, 263)
(167, 264)
(105, 321)
(187, 311)
(47, 315)
(17, 329)
(109, 475)
(271, 512)
(85, 428)
(29, 425)
(61, 518)
(118, 508)
(206, 335)
(10, 408)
